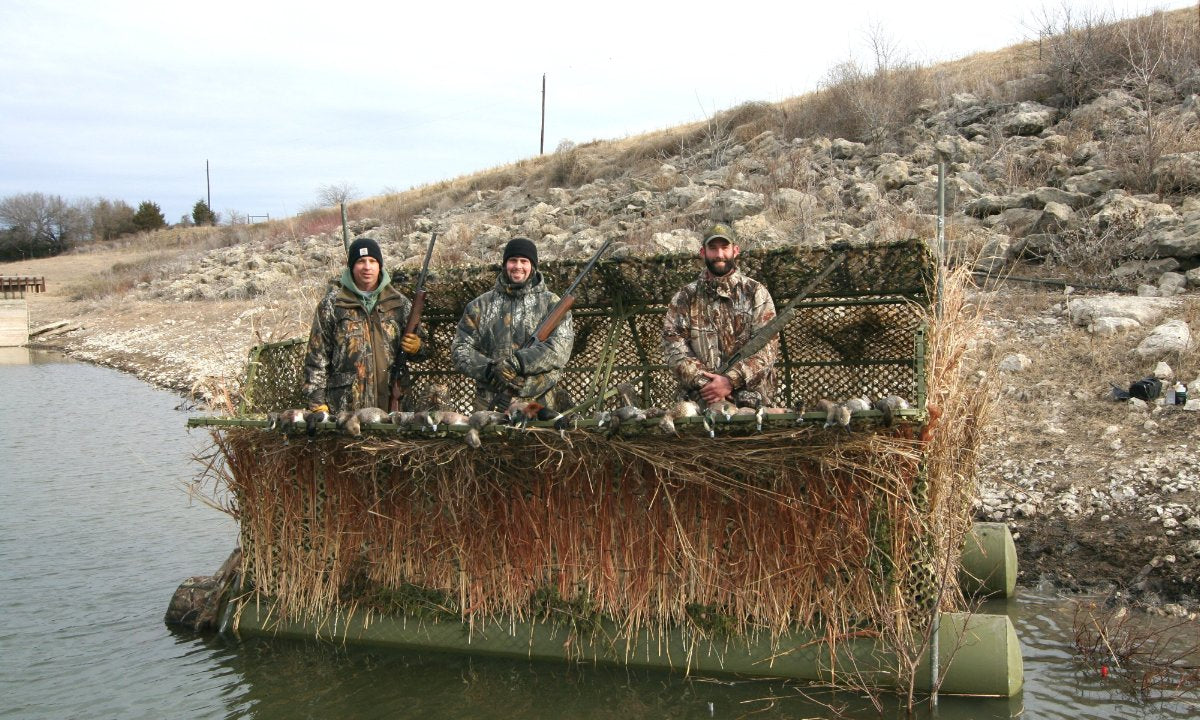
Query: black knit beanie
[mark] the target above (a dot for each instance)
(361, 248)
(521, 247)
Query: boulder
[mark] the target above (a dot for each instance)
(1086, 311)
(1042, 196)
(1015, 363)
(1178, 172)
(1118, 206)
(892, 175)
(1171, 236)
(736, 204)
(1093, 183)
(1172, 283)
(1109, 326)
(1173, 336)
(1019, 222)
(1028, 118)
(842, 149)
(791, 201)
(1055, 218)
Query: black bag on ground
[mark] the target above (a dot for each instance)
(1146, 389)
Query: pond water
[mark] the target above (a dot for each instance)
(97, 531)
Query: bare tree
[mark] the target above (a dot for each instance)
(1157, 58)
(336, 193)
(35, 224)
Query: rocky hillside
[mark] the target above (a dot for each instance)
(1090, 188)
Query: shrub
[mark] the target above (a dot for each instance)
(149, 217)
(202, 214)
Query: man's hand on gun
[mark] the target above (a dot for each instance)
(716, 388)
(410, 344)
(505, 376)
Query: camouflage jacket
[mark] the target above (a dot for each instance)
(350, 352)
(495, 326)
(708, 321)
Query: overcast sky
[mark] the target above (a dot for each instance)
(128, 100)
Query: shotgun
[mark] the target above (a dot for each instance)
(565, 303)
(414, 319)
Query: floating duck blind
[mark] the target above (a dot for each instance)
(744, 534)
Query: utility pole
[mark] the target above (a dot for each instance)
(208, 185)
(542, 141)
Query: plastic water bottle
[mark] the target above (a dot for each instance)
(1180, 394)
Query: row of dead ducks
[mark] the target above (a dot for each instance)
(521, 412)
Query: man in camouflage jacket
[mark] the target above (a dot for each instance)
(710, 319)
(490, 343)
(358, 335)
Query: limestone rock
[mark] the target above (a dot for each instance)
(1093, 183)
(842, 149)
(1172, 236)
(736, 204)
(1173, 336)
(1029, 118)
(1015, 363)
(1179, 172)
(1109, 326)
(1085, 311)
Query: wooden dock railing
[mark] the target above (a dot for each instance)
(14, 287)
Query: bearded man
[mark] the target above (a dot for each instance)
(710, 319)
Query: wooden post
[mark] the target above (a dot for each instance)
(542, 141)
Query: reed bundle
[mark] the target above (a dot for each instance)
(761, 532)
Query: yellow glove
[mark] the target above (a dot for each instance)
(319, 408)
(410, 344)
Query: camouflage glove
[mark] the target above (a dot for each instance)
(410, 344)
(506, 376)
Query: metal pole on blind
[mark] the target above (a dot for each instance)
(941, 231)
(935, 621)
(345, 232)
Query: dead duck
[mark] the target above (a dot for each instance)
(836, 414)
(347, 422)
(889, 406)
(371, 415)
(682, 408)
(313, 419)
(520, 412)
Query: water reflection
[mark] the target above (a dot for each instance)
(96, 533)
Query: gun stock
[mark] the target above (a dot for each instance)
(414, 315)
(554, 318)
